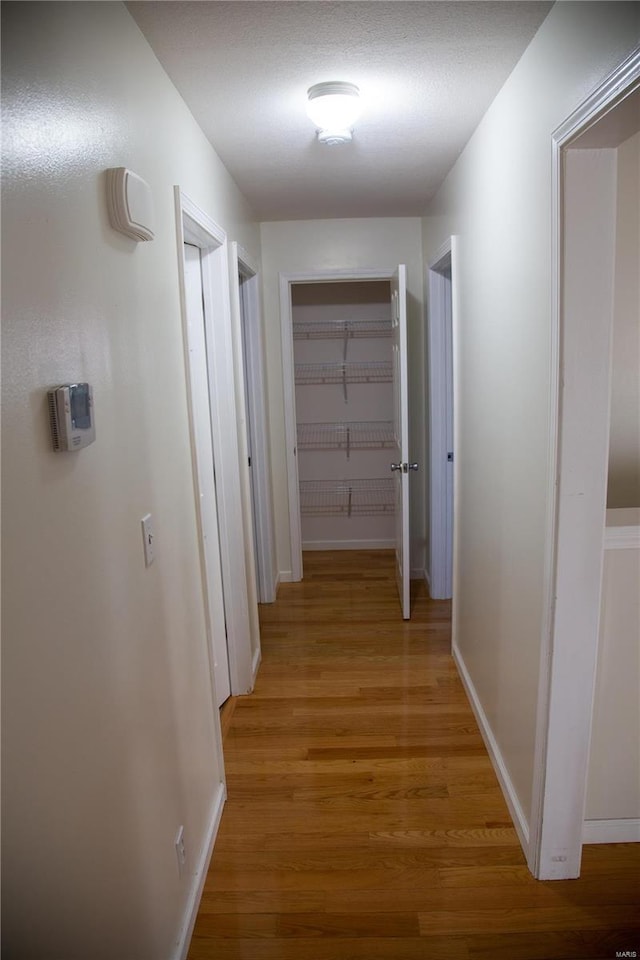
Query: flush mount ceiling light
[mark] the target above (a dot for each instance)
(334, 107)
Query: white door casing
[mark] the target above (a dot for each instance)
(580, 395)
(195, 227)
(441, 322)
(251, 459)
(401, 465)
(205, 466)
(288, 379)
(242, 430)
(245, 280)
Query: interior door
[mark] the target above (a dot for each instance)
(448, 371)
(401, 465)
(249, 430)
(207, 502)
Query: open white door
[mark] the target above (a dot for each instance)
(208, 508)
(401, 465)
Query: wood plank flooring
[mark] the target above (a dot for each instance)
(364, 819)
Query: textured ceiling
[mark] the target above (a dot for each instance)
(427, 72)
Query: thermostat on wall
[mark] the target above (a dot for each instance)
(130, 204)
(71, 416)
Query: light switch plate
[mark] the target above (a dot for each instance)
(148, 539)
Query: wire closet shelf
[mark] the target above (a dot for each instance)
(347, 435)
(363, 498)
(377, 371)
(328, 329)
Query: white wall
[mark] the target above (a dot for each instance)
(624, 441)
(109, 737)
(613, 786)
(497, 199)
(300, 246)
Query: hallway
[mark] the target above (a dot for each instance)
(363, 818)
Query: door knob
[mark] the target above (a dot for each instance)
(413, 466)
(396, 466)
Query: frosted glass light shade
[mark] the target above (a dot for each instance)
(334, 107)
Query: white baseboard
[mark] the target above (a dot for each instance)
(427, 580)
(348, 544)
(284, 576)
(195, 894)
(506, 785)
(417, 573)
(611, 831)
(255, 663)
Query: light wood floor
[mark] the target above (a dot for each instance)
(364, 820)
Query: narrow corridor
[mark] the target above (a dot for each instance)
(364, 820)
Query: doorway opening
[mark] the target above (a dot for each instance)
(345, 360)
(210, 379)
(209, 493)
(584, 284)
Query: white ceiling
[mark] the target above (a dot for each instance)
(427, 72)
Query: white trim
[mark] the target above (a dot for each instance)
(239, 322)
(348, 545)
(332, 276)
(261, 503)
(551, 519)
(427, 581)
(201, 228)
(255, 663)
(437, 436)
(622, 538)
(189, 229)
(196, 227)
(199, 877)
(440, 400)
(497, 760)
(551, 854)
(284, 576)
(248, 266)
(455, 365)
(611, 831)
(443, 253)
(286, 280)
(290, 428)
(400, 385)
(620, 84)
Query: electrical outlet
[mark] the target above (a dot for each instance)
(181, 850)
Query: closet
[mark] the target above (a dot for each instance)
(342, 342)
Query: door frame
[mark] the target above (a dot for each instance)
(204, 474)
(254, 377)
(442, 486)
(575, 523)
(403, 467)
(287, 280)
(195, 226)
